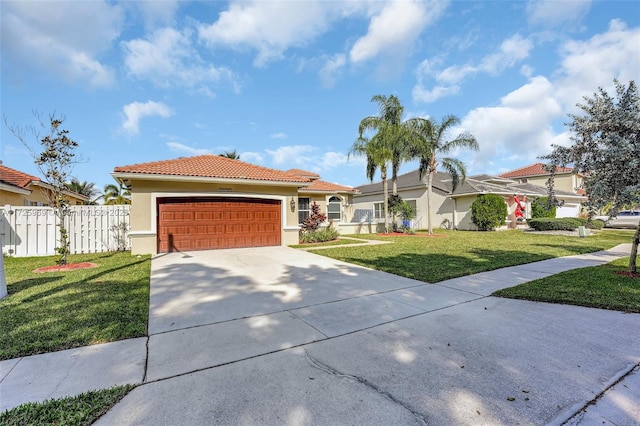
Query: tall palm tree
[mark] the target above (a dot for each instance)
(231, 154)
(116, 194)
(378, 155)
(431, 142)
(85, 188)
(394, 132)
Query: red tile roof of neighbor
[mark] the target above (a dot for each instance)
(320, 185)
(535, 169)
(16, 177)
(211, 166)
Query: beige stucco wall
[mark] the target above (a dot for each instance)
(11, 198)
(463, 213)
(563, 182)
(38, 195)
(346, 212)
(144, 195)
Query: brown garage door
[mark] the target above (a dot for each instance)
(216, 223)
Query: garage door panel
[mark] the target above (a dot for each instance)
(202, 224)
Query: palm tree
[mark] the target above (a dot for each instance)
(116, 194)
(430, 143)
(378, 155)
(85, 188)
(395, 133)
(231, 154)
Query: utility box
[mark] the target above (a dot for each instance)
(582, 231)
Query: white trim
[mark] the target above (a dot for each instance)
(142, 233)
(121, 177)
(156, 195)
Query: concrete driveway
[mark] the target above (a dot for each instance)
(280, 336)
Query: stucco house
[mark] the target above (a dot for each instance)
(210, 202)
(450, 209)
(566, 179)
(22, 189)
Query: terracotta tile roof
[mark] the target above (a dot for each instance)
(320, 185)
(303, 173)
(535, 169)
(211, 166)
(15, 177)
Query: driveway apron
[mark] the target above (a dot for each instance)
(280, 336)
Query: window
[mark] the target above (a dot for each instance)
(378, 210)
(333, 209)
(304, 209)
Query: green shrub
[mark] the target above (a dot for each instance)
(593, 224)
(488, 212)
(554, 224)
(540, 208)
(319, 236)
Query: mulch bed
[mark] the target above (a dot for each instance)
(67, 267)
(628, 274)
(402, 234)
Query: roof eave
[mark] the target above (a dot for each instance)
(13, 188)
(65, 192)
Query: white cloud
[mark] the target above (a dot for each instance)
(332, 160)
(65, 38)
(553, 13)
(270, 27)
(252, 157)
(520, 126)
(167, 58)
(587, 65)
(395, 28)
(156, 13)
(447, 81)
(299, 155)
(136, 111)
(182, 148)
(279, 135)
(331, 69)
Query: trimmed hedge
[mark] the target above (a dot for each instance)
(563, 224)
(554, 224)
(540, 208)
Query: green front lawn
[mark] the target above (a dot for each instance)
(83, 409)
(595, 287)
(61, 310)
(459, 253)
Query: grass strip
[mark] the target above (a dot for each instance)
(452, 254)
(594, 287)
(80, 410)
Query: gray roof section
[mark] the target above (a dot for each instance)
(477, 184)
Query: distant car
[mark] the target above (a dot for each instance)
(624, 219)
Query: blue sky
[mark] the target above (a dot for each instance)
(287, 83)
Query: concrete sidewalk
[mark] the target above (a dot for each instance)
(316, 341)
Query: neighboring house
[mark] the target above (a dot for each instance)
(565, 179)
(210, 202)
(450, 209)
(21, 189)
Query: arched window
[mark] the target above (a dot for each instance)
(333, 209)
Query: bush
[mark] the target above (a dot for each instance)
(540, 208)
(319, 236)
(554, 224)
(488, 212)
(314, 220)
(593, 224)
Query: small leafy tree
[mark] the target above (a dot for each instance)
(315, 219)
(55, 163)
(541, 207)
(606, 149)
(488, 211)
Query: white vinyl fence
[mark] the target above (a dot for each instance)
(32, 231)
